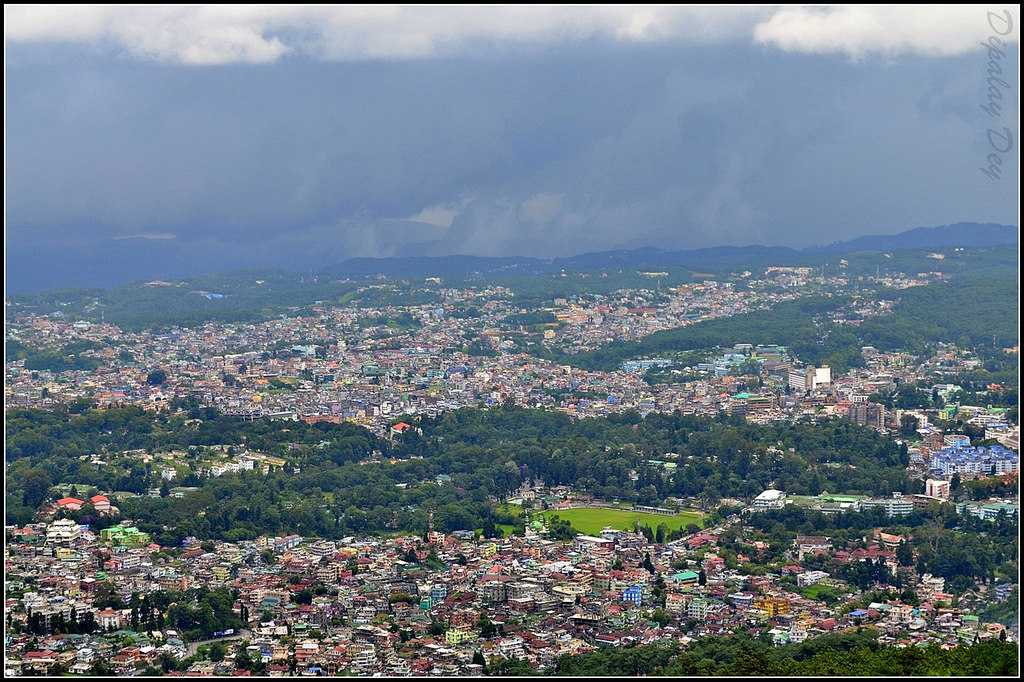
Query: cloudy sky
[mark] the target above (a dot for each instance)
(175, 140)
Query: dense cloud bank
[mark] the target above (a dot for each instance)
(120, 166)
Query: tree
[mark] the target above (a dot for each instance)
(487, 628)
(156, 377)
(101, 669)
(35, 487)
(489, 530)
(513, 667)
(167, 662)
(908, 426)
(904, 554)
(560, 529)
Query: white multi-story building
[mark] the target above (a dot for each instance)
(511, 647)
(897, 505)
(365, 660)
(808, 578)
(804, 379)
(798, 380)
(322, 548)
(769, 499)
(937, 488)
(63, 531)
(700, 608)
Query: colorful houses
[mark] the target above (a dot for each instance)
(124, 536)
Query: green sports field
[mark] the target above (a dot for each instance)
(591, 520)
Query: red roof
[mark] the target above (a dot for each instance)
(65, 501)
(99, 498)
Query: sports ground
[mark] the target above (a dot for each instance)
(591, 520)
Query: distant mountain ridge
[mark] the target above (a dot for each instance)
(114, 263)
(966, 235)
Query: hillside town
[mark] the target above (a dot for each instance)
(372, 365)
(104, 597)
(451, 604)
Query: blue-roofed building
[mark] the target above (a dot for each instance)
(633, 594)
(994, 460)
(641, 366)
(990, 511)
(1002, 591)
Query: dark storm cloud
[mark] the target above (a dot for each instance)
(547, 151)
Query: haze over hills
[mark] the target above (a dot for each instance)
(119, 262)
(966, 235)
(943, 236)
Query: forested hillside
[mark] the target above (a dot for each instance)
(333, 484)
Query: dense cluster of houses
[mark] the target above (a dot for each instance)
(443, 604)
(455, 603)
